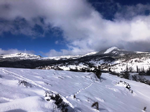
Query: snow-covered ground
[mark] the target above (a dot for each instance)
(147, 77)
(78, 90)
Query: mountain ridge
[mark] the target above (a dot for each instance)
(112, 50)
(112, 58)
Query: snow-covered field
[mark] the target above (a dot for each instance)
(23, 90)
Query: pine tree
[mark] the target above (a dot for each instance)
(127, 68)
(137, 69)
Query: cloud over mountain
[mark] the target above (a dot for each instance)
(12, 51)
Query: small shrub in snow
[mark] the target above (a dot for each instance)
(144, 109)
(126, 85)
(148, 72)
(58, 101)
(134, 77)
(98, 73)
(95, 105)
(25, 83)
(126, 75)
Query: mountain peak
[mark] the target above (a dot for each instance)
(109, 50)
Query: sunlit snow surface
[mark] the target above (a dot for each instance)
(110, 49)
(111, 96)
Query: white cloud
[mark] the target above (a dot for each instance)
(128, 12)
(83, 27)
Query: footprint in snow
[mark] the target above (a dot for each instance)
(38, 77)
(48, 83)
(89, 100)
(75, 98)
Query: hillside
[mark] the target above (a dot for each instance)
(23, 90)
(114, 59)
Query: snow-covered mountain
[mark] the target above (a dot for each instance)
(31, 90)
(69, 56)
(112, 49)
(114, 59)
(116, 51)
(109, 51)
(24, 56)
(21, 56)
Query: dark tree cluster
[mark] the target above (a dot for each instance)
(148, 72)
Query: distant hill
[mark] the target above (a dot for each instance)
(114, 59)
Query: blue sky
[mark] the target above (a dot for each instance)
(38, 45)
(71, 27)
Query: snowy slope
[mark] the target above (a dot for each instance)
(79, 90)
(141, 63)
(110, 50)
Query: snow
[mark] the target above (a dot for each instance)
(91, 53)
(61, 57)
(132, 64)
(87, 89)
(110, 50)
(97, 63)
(21, 56)
(139, 52)
(24, 56)
(147, 77)
(69, 56)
